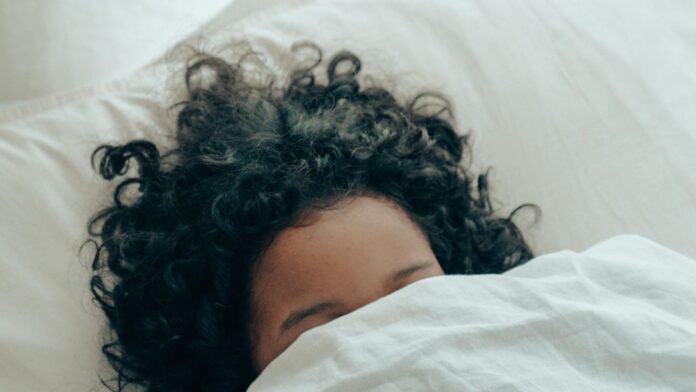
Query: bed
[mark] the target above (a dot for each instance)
(586, 109)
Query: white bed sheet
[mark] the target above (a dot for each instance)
(585, 108)
(620, 316)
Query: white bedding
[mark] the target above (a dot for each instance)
(620, 316)
(47, 46)
(586, 108)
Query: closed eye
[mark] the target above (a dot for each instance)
(300, 314)
(297, 316)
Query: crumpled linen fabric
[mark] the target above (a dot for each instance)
(620, 316)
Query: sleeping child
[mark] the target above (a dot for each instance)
(280, 208)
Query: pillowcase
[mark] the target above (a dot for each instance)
(620, 316)
(585, 109)
(49, 46)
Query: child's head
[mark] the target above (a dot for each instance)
(359, 250)
(280, 209)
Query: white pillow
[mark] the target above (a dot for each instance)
(585, 109)
(620, 316)
(49, 46)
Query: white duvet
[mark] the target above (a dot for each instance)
(620, 316)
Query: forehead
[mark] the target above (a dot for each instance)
(358, 234)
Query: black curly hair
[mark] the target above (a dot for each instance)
(172, 266)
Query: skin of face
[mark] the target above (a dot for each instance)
(360, 250)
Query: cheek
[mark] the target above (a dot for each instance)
(261, 331)
(438, 271)
(267, 344)
(264, 351)
(269, 347)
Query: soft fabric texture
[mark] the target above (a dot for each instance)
(48, 46)
(584, 108)
(620, 316)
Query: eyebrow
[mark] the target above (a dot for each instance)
(300, 314)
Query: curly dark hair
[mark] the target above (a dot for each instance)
(173, 263)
